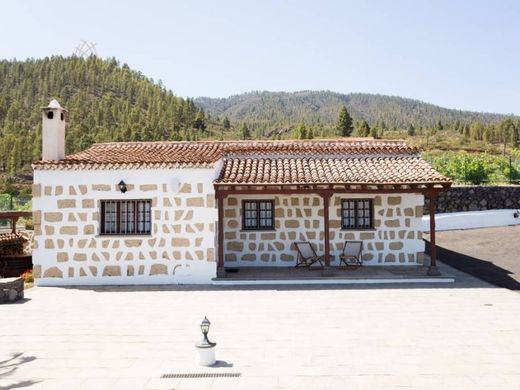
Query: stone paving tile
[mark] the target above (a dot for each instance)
(466, 336)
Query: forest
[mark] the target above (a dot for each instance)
(108, 101)
(265, 111)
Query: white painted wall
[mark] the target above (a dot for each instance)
(472, 219)
(182, 271)
(381, 234)
(169, 199)
(53, 132)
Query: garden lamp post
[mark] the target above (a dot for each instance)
(205, 348)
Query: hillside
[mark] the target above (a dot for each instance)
(274, 109)
(106, 101)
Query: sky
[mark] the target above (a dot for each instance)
(456, 54)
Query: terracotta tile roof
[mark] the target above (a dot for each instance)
(329, 170)
(131, 155)
(354, 160)
(11, 239)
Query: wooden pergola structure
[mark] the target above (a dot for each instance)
(14, 216)
(326, 191)
(13, 261)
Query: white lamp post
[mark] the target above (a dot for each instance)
(206, 348)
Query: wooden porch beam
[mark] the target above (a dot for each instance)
(326, 234)
(221, 272)
(13, 217)
(319, 191)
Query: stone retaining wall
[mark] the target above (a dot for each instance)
(473, 198)
(11, 289)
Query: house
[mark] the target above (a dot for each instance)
(181, 212)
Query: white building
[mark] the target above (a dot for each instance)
(182, 212)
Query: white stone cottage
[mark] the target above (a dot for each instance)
(181, 212)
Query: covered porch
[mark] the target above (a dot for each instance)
(341, 276)
(323, 226)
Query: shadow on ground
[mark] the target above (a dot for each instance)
(17, 302)
(483, 269)
(221, 364)
(9, 367)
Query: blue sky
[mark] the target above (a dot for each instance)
(457, 54)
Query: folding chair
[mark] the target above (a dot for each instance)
(352, 254)
(307, 255)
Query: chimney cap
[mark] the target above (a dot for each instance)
(54, 104)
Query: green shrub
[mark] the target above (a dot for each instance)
(476, 168)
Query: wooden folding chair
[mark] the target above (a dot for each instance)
(352, 254)
(307, 255)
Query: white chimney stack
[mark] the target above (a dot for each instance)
(53, 131)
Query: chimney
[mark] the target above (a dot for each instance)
(53, 131)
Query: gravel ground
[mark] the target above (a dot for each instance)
(490, 254)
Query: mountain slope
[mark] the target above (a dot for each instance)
(271, 109)
(106, 101)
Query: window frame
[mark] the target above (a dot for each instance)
(356, 217)
(146, 217)
(257, 226)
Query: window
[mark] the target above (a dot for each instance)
(356, 214)
(258, 215)
(126, 216)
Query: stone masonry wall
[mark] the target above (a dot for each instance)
(473, 198)
(395, 239)
(68, 248)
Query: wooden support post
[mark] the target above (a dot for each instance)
(432, 269)
(221, 272)
(326, 234)
(13, 224)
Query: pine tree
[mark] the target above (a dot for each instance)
(301, 131)
(374, 132)
(344, 123)
(476, 130)
(200, 121)
(456, 126)
(384, 128)
(411, 130)
(226, 124)
(363, 129)
(507, 133)
(244, 132)
(466, 131)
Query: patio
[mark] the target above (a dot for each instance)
(351, 275)
(462, 335)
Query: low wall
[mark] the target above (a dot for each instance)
(472, 220)
(474, 198)
(11, 289)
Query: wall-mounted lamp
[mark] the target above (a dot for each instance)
(122, 186)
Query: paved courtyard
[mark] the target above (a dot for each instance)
(456, 336)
